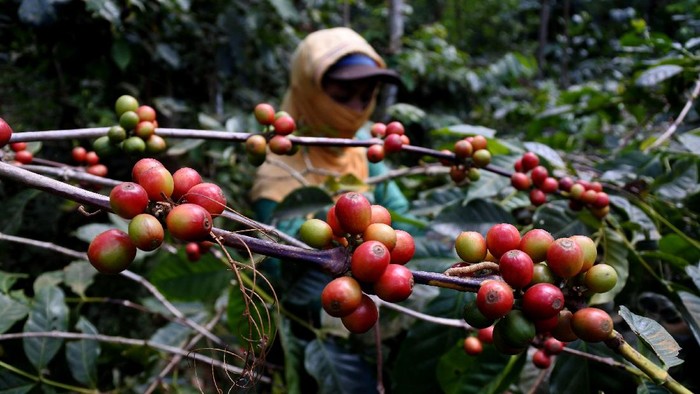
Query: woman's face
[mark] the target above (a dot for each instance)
(356, 94)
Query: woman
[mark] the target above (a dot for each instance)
(335, 75)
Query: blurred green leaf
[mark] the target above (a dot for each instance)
(121, 54)
(14, 384)
(82, 355)
(478, 215)
(179, 279)
(691, 302)
(79, 275)
(658, 74)
(48, 312)
(337, 370)
(614, 254)
(13, 210)
(293, 348)
(11, 311)
(8, 279)
(654, 335)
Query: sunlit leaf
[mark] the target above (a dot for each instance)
(654, 335)
(337, 370)
(658, 74)
(48, 312)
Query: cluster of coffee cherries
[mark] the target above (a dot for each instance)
(378, 255)
(277, 126)
(135, 132)
(20, 154)
(394, 136)
(532, 177)
(470, 154)
(156, 200)
(90, 159)
(540, 289)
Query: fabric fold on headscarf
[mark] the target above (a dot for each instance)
(317, 115)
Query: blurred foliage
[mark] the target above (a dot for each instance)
(588, 85)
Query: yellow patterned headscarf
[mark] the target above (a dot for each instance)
(317, 114)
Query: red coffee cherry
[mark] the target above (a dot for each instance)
(143, 165)
(471, 246)
(354, 212)
(24, 157)
(144, 129)
(541, 359)
(405, 248)
(530, 160)
(549, 185)
(546, 325)
(375, 153)
(494, 299)
(516, 268)
(463, 149)
(602, 200)
(111, 251)
(5, 132)
(589, 249)
(158, 183)
(284, 125)
(520, 181)
(501, 238)
(256, 145)
(280, 145)
(146, 113)
(535, 243)
(537, 197)
(369, 261)
(473, 346)
(485, 335)
(538, 175)
(363, 318)
(563, 331)
(78, 154)
(332, 221)
(193, 251)
(565, 184)
(395, 284)
(481, 158)
(18, 146)
(378, 130)
(341, 296)
(565, 258)
(478, 142)
(316, 233)
(542, 301)
(189, 222)
(553, 346)
(128, 199)
(183, 180)
(97, 170)
(207, 195)
(592, 324)
(395, 128)
(264, 114)
(380, 232)
(392, 143)
(146, 232)
(380, 214)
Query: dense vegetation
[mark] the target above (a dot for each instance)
(601, 90)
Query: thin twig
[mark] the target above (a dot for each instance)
(459, 323)
(674, 126)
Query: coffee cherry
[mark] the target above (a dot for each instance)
(542, 274)
(134, 145)
(501, 238)
(546, 325)
(369, 261)
(553, 346)
(104, 147)
(537, 197)
(264, 114)
(473, 346)
(375, 153)
(458, 174)
(284, 125)
(563, 331)
(146, 232)
(535, 243)
(600, 278)
(146, 113)
(111, 251)
(18, 146)
(395, 127)
(116, 134)
(125, 103)
(494, 299)
(142, 166)
(589, 249)
(128, 120)
(474, 174)
(576, 191)
(588, 197)
(97, 170)
(481, 158)
(24, 157)
(478, 142)
(256, 144)
(518, 165)
(78, 154)
(592, 324)
(280, 145)
(363, 318)
(471, 246)
(473, 316)
(538, 175)
(395, 284)
(144, 129)
(602, 200)
(463, 149)
(485, 335)
(520, 181)
(565, 184)
(341, 296)
(516, 268)
(516, 330)
(192, 251)
(530, 160)
(378, 130)
(183, 180)
(128, 199)
(541, 359)
(380, 232)
(5, 132)
(158, 183)
(316, 233)
(380, 214)
(565, 258)
(207, 195)
(354, 212)
(332, 221)
(392, 143)
(405, 248)
(189, 222)
(542, 301)
(549, 185)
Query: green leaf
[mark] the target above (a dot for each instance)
(654, 335)
(179, 279)
(678, 246)
(545, 152)
(489, 372)
(614, 254)
(79, 275)
(12, 210)
(478, 215)
(107, 9)
(286, 10)
(88, 232)
(302, 202)
(48, 279)
(425, 344)
(82, 355)
(680, 183)
(558, 219)
(262, 326)
(8, 279)
(121, 54)
(176, 333)
(691, 302)
(293, 349)
(464, 130)
(694, 272)
(489, 185)
(13, 384)
(11, 311)
(658, 74)
(336, 370)
(168, 54)
(48, 312)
